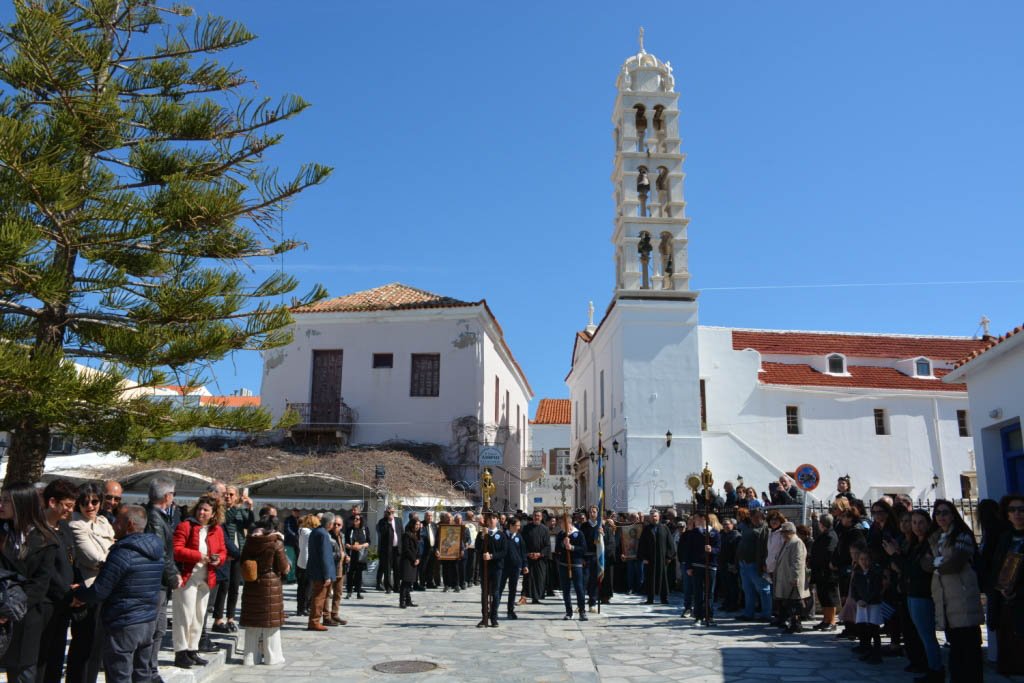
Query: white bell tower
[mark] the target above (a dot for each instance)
(635, 380)
(650, 212)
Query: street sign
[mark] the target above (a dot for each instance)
(807, 477)
(491, 456)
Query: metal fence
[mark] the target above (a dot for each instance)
(967, 507)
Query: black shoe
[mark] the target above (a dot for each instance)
(829, 628)
(795, 628)
(687, 612)
(196, 659)
(359, 596)
(536, 602)
(710, 622)
(445, 589)
(649, 602)
(182, 660)
(348, 596)
(206, 645)
(402, 606)
(511, 615)
(221, 628)
(583, 615)
(233, 627)
(494, 623)
(387, 591)
(410, 603)
(567, 617)
(456, 589)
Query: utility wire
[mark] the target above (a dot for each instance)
(864, 284)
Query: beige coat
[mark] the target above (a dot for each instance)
(791, 571)
(955, 588)
(92, 543)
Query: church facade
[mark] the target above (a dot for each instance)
(657, 396)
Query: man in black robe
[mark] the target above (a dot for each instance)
(537, 544)
(656, 550)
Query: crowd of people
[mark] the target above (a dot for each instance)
(76, 563)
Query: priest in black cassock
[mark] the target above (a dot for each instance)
(656, 550)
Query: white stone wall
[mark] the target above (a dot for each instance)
(747, 435)
(648, 349)
(470, 354)
(994, 382)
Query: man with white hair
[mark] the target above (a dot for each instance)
(162, 520)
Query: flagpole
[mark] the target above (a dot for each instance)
(600, 517)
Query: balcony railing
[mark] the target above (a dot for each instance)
(334, 416)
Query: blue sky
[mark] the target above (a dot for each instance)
(828, 143)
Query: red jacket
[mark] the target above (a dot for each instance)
(186, 549)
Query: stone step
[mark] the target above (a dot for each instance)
(228, 652)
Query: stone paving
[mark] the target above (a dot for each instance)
(629, 641)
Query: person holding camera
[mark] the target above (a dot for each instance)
(199, 548)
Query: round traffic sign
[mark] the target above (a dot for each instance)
(807, 477)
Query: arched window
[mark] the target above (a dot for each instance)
(836, 364)
(923, 367)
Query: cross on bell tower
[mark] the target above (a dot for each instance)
(650, 221)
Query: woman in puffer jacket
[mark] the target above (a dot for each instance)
(263, 564)
(956, 593)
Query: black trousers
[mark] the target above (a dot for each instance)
(86, 649)
(450, 573)
(607, 583)
(301, 591)
(387, 571)
(354, 578)
(426, 570)
(510, 577)
(50, 668)
(965, 660)
(227, 592)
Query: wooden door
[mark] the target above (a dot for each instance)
(325, 394)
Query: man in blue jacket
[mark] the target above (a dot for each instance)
(128, 585)
(321, 570)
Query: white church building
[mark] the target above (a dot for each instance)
(674, 395)
(401, 365)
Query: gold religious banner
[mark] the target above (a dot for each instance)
(487, 488)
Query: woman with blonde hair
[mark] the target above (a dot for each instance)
(199, 548)
(306, 526)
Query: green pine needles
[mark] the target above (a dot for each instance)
(133, 195)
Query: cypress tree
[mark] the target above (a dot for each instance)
(134, 196)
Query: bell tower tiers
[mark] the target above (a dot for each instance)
(650, 213)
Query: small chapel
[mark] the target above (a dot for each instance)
(656, 396)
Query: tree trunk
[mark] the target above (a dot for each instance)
(27, 453)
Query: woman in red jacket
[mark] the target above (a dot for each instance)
(198, 549)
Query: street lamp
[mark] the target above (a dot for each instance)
(668, 439)
(615, 446)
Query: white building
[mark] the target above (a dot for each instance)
(675, 395)
(994, 376)
(549, 449)
(398, 364)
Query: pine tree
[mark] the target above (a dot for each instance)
(134, 195)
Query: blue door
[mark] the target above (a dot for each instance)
(1013, 457)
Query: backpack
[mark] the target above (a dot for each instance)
(13, 605)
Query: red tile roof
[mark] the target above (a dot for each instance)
(179, 390)
(553, 411)
(230, 401)
(392, 297)
(399, 297)
(861, 376)
(870, 345)
(988, 344)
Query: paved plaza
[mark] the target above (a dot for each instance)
(629, 641)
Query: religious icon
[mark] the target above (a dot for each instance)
(631, 540)
(1009, 574)
(449, 541)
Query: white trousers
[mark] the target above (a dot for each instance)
(189, 609)
(262, 646)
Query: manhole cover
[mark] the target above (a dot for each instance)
(408, 666)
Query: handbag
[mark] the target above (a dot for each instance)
(250, 571)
